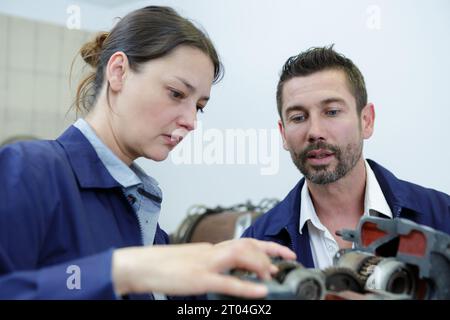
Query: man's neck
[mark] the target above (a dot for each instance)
(342, 200)
(343, 192)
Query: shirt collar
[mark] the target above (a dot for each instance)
(126, 176)
(308, 212)
(374, 202)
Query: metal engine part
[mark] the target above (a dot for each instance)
(393, 276)
(343, 279)
(305, 284)
(399, 256)
(378, 273)
(292, 282)
(391, 259)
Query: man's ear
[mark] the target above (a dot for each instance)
(283, 136)
(367, 120)
(116, 70)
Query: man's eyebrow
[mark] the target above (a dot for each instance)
(325, 102)
(331, 100)
(294, 108)
(190, 87)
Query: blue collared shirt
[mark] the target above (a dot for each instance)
(141, 190)
(61, 211)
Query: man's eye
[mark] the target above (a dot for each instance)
(332, 112)
(298, 118)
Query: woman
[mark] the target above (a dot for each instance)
(78, 219)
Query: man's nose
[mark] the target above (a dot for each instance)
(315, 130)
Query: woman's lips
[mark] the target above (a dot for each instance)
(172, 140)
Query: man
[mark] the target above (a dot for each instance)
(324, 118)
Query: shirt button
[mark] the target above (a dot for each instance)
(331, 246)
(131, 198)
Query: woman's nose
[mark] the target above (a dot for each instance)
(188, 118)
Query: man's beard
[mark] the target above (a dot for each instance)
(320, 174)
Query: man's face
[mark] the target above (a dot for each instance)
(321, 127)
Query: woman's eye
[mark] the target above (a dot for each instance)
(176, 94)
(200, 109)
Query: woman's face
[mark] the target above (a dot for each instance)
(157, 106)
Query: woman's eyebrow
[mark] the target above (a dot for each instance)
(190, 87)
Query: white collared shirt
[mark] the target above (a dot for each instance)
(323, 244)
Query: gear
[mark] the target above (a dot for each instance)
(367, 267)
(341, 279)
(284, 267)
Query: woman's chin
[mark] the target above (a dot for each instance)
(157, 156)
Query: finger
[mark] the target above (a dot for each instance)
(276, 250)
(236, 287)
(273, 269)
(253, 260)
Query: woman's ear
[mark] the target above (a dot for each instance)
(116, 70)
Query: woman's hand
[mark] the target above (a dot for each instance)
(189, 269)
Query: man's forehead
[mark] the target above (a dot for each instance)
(320, 85)
(326, 79)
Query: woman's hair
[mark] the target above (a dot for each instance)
(145, 34)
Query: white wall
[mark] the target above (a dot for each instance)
(58, 12)
(405, 63)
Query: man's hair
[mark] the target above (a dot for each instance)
(318, 59)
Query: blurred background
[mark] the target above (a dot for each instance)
(401, 47)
